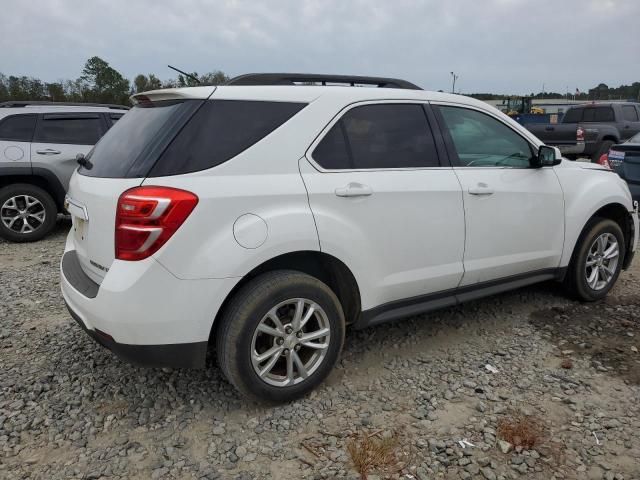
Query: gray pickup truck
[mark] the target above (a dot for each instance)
(589, 130)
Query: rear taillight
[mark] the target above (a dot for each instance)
(580, 134)
(604, 161)
(147, 217)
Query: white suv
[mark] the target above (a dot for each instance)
(260, 218)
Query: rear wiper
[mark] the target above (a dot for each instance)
(83, 161)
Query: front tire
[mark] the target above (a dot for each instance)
(597, 260)
(27, 213)
(280, 336)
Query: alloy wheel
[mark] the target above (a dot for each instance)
(22, 214)
(290, 342)
(602, 261)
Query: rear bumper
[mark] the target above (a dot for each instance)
(179, 355)
(143, 313)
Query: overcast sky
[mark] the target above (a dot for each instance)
(511, 46)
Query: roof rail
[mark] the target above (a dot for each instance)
(295, 78)
(26, 103)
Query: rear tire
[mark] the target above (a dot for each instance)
(597, 260)
(27, 213)
(262, 317)
(604, 148)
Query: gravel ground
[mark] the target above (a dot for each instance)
(69, 409)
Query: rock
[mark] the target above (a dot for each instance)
(488, 474)
(505, 447)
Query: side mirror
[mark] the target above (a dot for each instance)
(547, 157)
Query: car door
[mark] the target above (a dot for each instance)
(60, 137)
(630, 121)
(514, 214)
(384, 204)
(16, 132)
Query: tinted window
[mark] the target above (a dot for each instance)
(331, 152)
(115, 117)
(18, 128)
(379, 136)
(482, 141)
(69, 129)
(629, 113)
(135, 136)
(220, 130)
(598, 114)
(573, 115)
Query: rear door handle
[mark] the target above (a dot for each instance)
(481, 189)
(549, 129)
(48, 151)
(354, 189)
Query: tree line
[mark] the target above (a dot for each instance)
(101, 83)
(98, 83)
(600, 92)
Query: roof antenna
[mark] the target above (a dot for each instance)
(192, 77)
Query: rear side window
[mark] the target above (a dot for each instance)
(18, 128)
(379, 136)
(220, 130)
(598, 114)
(629, 113)
(114, 117)
(76, 130)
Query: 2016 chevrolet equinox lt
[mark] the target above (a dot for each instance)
(262, 217)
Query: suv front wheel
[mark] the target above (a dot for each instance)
(597, 261)
(27, 213)
(280, 336)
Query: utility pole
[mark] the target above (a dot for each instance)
(453, 87)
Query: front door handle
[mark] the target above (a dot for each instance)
(481, 189)
(48, 151)
(354, 190)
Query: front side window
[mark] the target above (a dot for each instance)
(379, 136)
(75, 130)
(482, 141)
(18, 128)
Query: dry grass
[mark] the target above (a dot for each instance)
(566, 363)
(521, 430)
(372, 453)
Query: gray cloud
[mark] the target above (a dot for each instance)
(494, 45)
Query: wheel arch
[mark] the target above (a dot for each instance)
(619, 214)
(40, 178)
(326, 268)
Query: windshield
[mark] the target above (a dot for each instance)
(130, 147)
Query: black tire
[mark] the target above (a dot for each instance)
(604, 148)
(49, 207)
(576, 280)
(245, 312)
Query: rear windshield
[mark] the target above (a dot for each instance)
(119, 154)
(172, 138)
